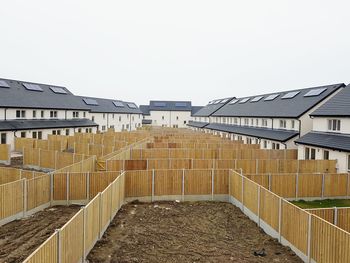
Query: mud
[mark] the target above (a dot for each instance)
(186, 232)
(20, 238)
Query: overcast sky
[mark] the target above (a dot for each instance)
(176, 50)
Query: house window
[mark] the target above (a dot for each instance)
(84, 114)
(275, 146)
(264, 123)
(20, 113)
(246, 121)
(86, 130)
(42, 114)
(265, 144)
(252, 122)
(177, 118)
(34, 135)
(185, 122)
(120, 118)
(67, 132)
(283, 124)
(58, 132)
(133, 118)
(236, 121)
(53, 114)
(23, 134)
(79, 130)
(34, 114)
(325, 155)
(162, 117)
(3, 138)
(127, 126)
(113, 116)
(104, 115)
(310, 153)
(334, 125)
(103, 127)
(75, 114)
(293, 124)
(40, 135)
(256, 122)
(54, 132)
(307, 153)
(93, 118)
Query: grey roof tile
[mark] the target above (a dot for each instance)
(333, 141)
(154, 105)
(278, 107)
(197, 124)
(339, 105)
(263, 133)
(209, 109)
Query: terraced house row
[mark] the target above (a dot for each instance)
(316, 121)
(34, 110)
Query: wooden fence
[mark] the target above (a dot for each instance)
(339, 216)
(8, 174)
(50, 159)
(302, 231)
(5, 153)
(247, 166)
(35, 191)
(77, 237)
(305, 185)
(217, 153)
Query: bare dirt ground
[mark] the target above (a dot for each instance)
(186, 232)
(20, 238)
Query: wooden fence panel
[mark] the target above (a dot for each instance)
(250, 197)
(5, 153)
(78, 186)
(269, 208)
(324, 213)
(203, 164)
(236, 185)
(336, 185)
(262, 179)
(343, 218)
(47, 252)
(328, 243)
(167, 182)
(221, 182)
(11, 199)
(131, 165)
(8, 175)
(309, 185)
(138, 183)
(92, 224)
(180, 163)
(295, 222)
(71, 236)
(198, 182)
(60, 186)
(38, 191)
(283, 185)
(247, 166)
(115, 165)
(100, 180)
(106, 207)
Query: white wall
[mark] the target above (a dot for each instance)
(170, 118)
(118, 121)
(321, 124)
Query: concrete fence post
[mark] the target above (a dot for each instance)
(183, 185)
(335, 216)
(25, 197)
(212, 184)
(259, 189)
(67, 188)
(323, 179)
(242, 193)
(51, 188)
(59, 246)
(55, 161)
(280, 220)
(309, 233)
(87, 187)
(296, 185)
(84, 234)
(100, 216)
(152, 198)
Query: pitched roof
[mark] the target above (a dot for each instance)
(145, 109)
(108, 106)
(293, 107)
(332, 141)
(16, 95)
(212, 107)
(14, 125)
(197, 124)
(339, 105)
(263, 133)
(195, 109)
(162, 105)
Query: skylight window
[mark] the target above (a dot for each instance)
(256, 99)
(217, 101)
(315, 92)
(290, 95)
(32, 87)
(271, 97)
(90, 102)
(181, 104)
(159, 104)
(224, 101)
(3, 84)
(243, 100)
(132, 105)
(58, 90)
(233, 101)
(210, 102)
(118, 104)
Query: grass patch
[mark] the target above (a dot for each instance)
(322, 203)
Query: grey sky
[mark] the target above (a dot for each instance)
(183, 49)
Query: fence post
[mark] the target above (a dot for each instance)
(259, 188)
(51, 188)
(100, 216)
(229, 185)
(59, 245)
(67, 188)
(323, 178)
(87, 187)
(242, 193)
(269, 181)
(152, 197)
(309, 238)
(212, 184)
(280, 220)
(296, 185)
(256, 166)
(84, 234)
(183, 185)
(335, 216)
(25, 197)
(55, 160)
